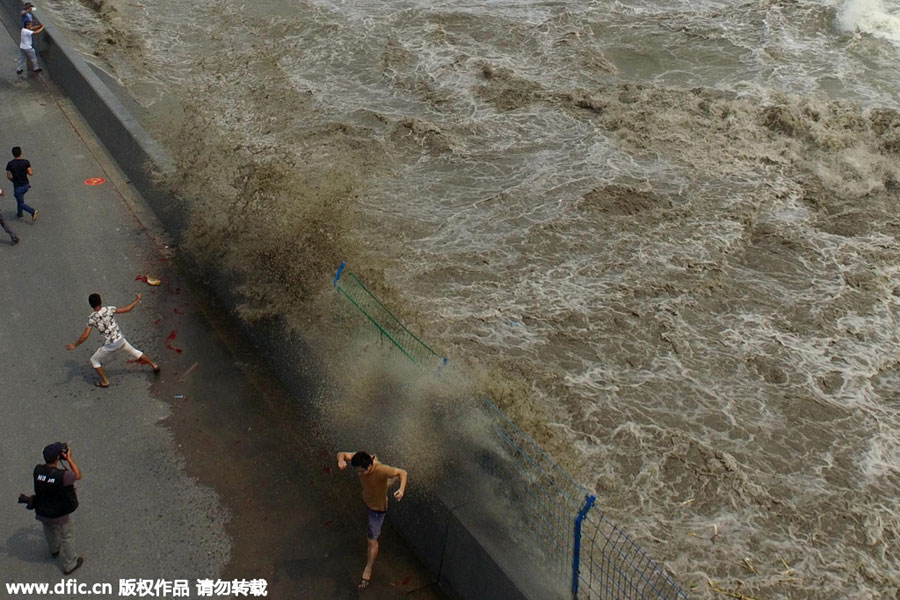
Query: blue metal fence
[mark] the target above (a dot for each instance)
(590, 555)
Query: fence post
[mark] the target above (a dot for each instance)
(339, 271)
(576, 550)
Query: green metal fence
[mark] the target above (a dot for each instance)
(388, 325)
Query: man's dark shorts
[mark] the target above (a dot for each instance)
(376, 520)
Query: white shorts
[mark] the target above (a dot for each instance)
(104, 351)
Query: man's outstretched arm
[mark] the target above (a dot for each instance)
(84, 336)
(128, 308)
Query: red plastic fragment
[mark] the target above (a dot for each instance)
(169, 341)
(405, 581)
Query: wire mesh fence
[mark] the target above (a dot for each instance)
(548, 496)
(388, 325)
(612, 566)
(589, 556)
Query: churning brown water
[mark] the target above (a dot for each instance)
(663, 234)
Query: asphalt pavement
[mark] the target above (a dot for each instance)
(207, 471)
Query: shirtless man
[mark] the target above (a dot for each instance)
(376, 479)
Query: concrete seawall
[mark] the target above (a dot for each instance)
(469, 555)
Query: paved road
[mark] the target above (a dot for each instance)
(206, 471)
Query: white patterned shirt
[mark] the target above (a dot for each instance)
(105, 323)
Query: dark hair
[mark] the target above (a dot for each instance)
(17, 151)
(95, 301)
(362, 460)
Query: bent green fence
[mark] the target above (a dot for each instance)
(591, 555)
(389, 326)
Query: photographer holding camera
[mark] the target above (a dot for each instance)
(54, 500)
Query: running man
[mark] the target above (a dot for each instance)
(103, 318)
(17, 171)
(376, 480)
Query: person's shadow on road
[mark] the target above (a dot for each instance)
(28, 544)
(75, 369)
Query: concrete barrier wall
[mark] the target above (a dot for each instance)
(450, 537)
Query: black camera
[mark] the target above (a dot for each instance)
(65, 449)
(28, 501)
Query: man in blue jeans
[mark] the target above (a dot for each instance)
(17, 171)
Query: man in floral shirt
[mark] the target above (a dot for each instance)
(103, 319)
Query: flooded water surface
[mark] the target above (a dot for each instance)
(663, 234)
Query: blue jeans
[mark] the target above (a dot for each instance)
(19, 193)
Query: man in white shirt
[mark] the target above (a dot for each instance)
(103, 318)
(26, 47)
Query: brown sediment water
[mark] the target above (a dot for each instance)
(662, 237)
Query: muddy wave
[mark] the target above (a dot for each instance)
(687, 293)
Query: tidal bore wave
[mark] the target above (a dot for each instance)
(662, 236)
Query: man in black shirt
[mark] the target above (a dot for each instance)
(17, 171)
(55, 500)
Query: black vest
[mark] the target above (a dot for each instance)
(51, 498)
